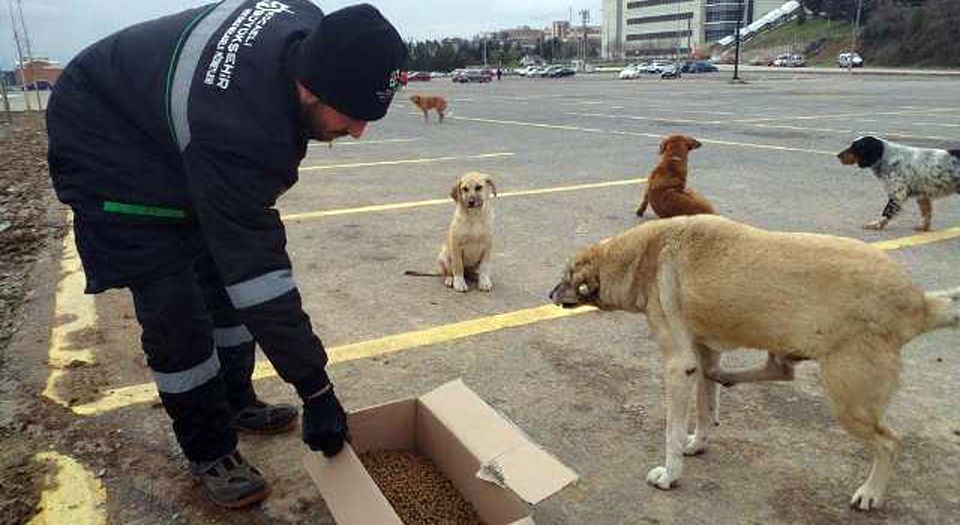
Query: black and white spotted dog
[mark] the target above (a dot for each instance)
(906, 171)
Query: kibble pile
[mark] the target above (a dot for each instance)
(417, 489)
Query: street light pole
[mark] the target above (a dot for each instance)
(853, 44)
(736, 59)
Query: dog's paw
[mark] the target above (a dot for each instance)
(719, 377)
(661, 478)
(460, 284)
(875, 225)
(922, 228)
(484, 283)
(866, 498)
(448, 281)
(696, 445)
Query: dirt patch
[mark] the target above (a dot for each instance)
(25, 200)
(417, 489)
(21, 478)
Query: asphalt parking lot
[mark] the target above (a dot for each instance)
(566, 156)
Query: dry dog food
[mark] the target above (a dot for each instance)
(417, 490)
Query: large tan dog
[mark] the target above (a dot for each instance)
(708, 284)
(428, 102)
(469, 243)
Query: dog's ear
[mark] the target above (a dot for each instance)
(663, 144)
(493, 187)
(692, 143)
(455, 191)
(869, 151)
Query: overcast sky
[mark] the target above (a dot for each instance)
(61, 28)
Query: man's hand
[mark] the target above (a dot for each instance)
(324, 422)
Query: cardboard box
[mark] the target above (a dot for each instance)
(490, 461)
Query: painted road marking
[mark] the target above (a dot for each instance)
(847, 115)
(645, 135)
(74, 332)
(143, 393)
(325, 167)
(756, 125)
(360, 142)
(146, 392)
(918, 240)
(73, 496)
(294, 217)
(936, 124)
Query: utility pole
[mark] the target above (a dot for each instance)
(26, 39)
(23, 73)
(3, 94)
(853, 43)
(584, 20)
(736, 59)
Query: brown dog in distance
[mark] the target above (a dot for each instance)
(428, 102)
(667, 191)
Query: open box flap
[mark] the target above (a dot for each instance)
(507, 456)
(349, 492)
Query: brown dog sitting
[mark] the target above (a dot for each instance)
(428, 102)
(667, 190)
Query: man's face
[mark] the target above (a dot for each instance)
(324, 123)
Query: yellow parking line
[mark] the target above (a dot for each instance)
(325, 167)
(74, 495)
(641, 134)
(919, 240)
(121, 397)
(294, 217)
(125, 396)
(74, 319)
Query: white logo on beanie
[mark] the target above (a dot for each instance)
(393, 84)
(272, 6)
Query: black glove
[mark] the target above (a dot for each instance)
(324, 422)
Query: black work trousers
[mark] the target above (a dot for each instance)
(201, 355)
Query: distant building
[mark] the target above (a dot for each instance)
(669, 27)
(591, 32)
(560, 29)
(38, 70)
(526, 36)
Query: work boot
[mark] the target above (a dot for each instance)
(231, 482)
(263, 418)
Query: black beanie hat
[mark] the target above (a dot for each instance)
(352, 62)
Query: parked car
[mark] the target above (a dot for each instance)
(560, 71)
(471, 75)
(419, 76)
(533, 71)
(845, 60)
(656, 67)
(789, 60)
(670, 71)
(38, 85)
(630, 72)
(698, 67)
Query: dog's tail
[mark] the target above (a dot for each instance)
(942, 308)
(414, 273)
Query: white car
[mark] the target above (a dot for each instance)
(845, 60)
(630, 72)
(535, 71)
(656, 67)
(789, 60)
